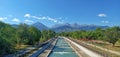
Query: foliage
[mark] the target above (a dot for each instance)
(112, 35)
(12, 37)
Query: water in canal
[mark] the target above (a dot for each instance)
(62, 49)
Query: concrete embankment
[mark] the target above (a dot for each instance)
(41, 50)
(83, 51)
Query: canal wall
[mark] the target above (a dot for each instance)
(84, 50)
(62, 49)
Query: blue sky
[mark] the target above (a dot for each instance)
(50, 12)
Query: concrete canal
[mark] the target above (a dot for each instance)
(62, 49)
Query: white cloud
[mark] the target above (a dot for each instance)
(102, 15)
(43, 17)
(27, 15)
(56, 20)
(28, 21)
(16, 20)
(52, 19)
(35, 17)
(2, 18)
(105, 22)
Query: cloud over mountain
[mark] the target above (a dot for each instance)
(56, 20)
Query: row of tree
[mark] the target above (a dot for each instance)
(23, 34)
(112, 34)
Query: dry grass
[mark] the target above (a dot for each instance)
(106, 45)
(97, 50)
(21, 46)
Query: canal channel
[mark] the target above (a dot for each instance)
(62, 49)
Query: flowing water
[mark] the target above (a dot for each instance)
(62, 49)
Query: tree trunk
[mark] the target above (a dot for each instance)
(113, 44)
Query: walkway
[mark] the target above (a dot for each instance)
(37, 53)
(48, 50)
(85, 50)
(111, 51)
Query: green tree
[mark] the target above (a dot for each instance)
(7, 42)
(47, 34)
(100, 34)
(34, 35)
(22, 33)
(11, 38)
(112, 35)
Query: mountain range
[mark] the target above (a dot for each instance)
(66, 27)
(40, 26)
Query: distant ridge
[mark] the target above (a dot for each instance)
(72, 27)
(66, 27)
(40, 26)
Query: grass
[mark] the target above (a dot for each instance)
(97, 50)
(18, 47)
(106, 45)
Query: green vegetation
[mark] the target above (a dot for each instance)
(111, 35)
(106, 38)
(12, 39)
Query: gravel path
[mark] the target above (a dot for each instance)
(111, 51)
(48, 50)
(85, 50)
(38, 52)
